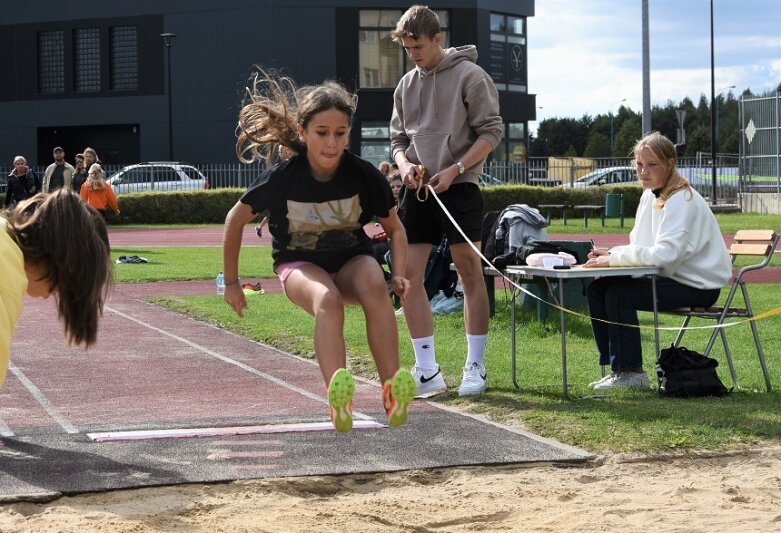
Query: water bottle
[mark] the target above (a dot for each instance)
(500, 244)
(220, 284)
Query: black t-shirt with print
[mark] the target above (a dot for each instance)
(320, 222)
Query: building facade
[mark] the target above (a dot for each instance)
(86, 73)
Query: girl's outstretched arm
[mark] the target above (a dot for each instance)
(239, 216)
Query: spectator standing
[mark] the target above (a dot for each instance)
(318, 202)
(59, 174)
(445, 123)
(80, 174)
(97, 193)
(88, 158)
(22, 182)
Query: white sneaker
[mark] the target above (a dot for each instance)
(429, 381)
(602, 380)
(634, 380)
(474, 381)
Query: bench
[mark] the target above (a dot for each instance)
(591, 210)
(548, 208)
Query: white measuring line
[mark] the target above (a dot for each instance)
(43, 400)
(5, 431)
(230, 361)
(150, 434)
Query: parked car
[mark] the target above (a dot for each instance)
(605, 176)
(158, 176)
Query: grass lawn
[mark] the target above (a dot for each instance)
(623, 421)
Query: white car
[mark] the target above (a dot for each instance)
(605, 176)
(158, 176)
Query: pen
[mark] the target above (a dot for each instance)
(593, 245)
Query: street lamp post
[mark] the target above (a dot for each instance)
(168, 39)
(611, 125)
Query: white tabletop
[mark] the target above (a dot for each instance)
(578, 271)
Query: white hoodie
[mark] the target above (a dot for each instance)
(683, 239)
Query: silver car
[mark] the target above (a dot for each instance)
(606, 176)
(158, 176)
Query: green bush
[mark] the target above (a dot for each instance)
(499, 197)
(210, 206)
(177, 207)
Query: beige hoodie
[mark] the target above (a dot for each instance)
(438, 114)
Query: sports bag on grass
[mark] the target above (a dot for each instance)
(684, 373)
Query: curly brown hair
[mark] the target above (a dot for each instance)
(275, 109)
(68, 238)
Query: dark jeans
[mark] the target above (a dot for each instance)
(617, 299)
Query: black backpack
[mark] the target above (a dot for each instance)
(685, 373)
(438, 276)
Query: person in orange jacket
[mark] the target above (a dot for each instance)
(97, 193)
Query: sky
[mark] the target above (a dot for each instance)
(586, 57)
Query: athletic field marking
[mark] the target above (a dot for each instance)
(45, 403)
(148, 434)
(226, 359)
(5, 431)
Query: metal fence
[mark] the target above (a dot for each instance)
(760, 153)
(219, 175)
(557, 172)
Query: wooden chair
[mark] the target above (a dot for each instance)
(757, 245)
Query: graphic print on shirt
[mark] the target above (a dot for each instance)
(323, 226)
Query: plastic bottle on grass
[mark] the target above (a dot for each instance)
(220, 284)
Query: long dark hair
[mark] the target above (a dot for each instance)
(274, 110)
(68, 238)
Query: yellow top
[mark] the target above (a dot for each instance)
(13, 284)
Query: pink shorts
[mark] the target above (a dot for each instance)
(285, 269)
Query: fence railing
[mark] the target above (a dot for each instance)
(542, 172)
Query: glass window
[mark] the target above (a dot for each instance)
(383, 61)
(507, 53)
(515, 25)
(165, 174)
(192, 173)
(497, 22)
(51, 62)
(516, 130)
(86, 60)
(123, 50)
(137, 175)
(375, 141)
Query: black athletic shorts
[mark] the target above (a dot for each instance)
(426, 222)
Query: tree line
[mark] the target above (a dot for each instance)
(591, 136)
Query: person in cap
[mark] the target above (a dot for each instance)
(59, 174)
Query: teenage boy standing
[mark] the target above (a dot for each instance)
(445, 119)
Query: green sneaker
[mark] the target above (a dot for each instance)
(340, 400)
(397, 393)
